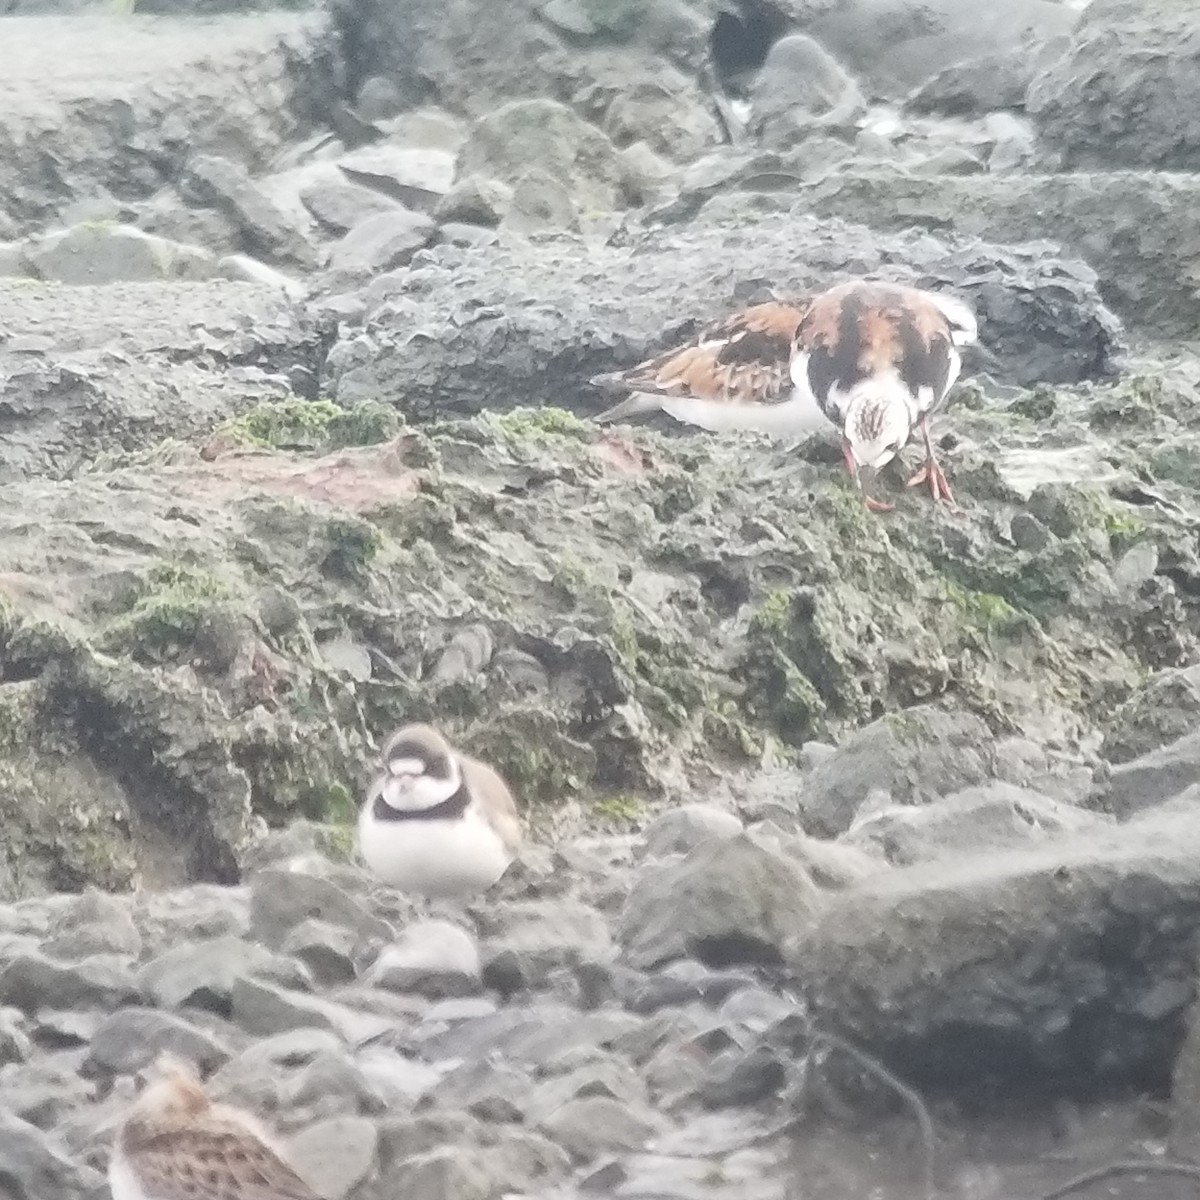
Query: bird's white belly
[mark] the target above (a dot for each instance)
(796, 417)
(437, 858)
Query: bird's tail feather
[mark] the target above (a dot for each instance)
(636, 405)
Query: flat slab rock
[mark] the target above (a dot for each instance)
(110, 101)
(83, 369)
(1069, 962)
(530, 322)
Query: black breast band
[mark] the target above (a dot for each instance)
(453, 806)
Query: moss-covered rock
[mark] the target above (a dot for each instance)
(655, 609)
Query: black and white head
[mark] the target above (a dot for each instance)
(420, 769)
(878, 420)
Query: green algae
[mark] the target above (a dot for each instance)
(536, 425)
(172, 602)
(777, 609)
(312, 425)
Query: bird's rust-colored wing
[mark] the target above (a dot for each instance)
(743, 358)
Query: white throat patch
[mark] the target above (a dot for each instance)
(405, 787)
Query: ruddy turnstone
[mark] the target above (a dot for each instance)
(875, 359)
(176, 1144)
(879, 359)
(732, 375)
(436, 822)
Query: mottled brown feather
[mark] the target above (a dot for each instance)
(210, 1162)
(863, 327)
(743, 358)
(181, 1146)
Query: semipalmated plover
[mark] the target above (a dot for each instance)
(176, 1144)
(436, 822)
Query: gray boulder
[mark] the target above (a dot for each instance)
(1075, 960)
(548, 137)
(119, 106)
(1166, 708)
(915, 756)
(729, 900)
(510, 324)
(40, 1166)
(1126, 93)
(1133, 229)
(990, 816)
(1155, 777)
(891, 46)
(801, 87)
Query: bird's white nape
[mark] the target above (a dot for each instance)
(964, 328)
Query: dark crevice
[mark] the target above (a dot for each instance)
(739, 42)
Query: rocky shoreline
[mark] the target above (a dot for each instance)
(862, 850)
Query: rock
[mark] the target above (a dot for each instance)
(341, 206)
(119, 107)
(543, 339)
(32, 982)
(250, 270)
(266, 229)
(432, 958)
(280, 899)
(203, 974)
(1166, 708)
(96, 924)
(474, 200)
(1128, 227)
(679, 830)
(916, 756)
(107, 253)
(132, 1038)
(326, 950)
(1121, 94)
(381, 243)
(1039, 1002)
(1185, 1091)
(729, 900)
(442, 1174)
(801, 87)
(891, 46)
(262, 1009)
(378, 99)
(984, 84)
(1013, 142)
(491, 1091)
(32, 1159)
(643, 173)
(546, 140)
(335, 1156)
(661, 110)
(595, 1125)
(540, 202)
(1150, 779)
(540, 936)
(124, 359)
(421, 51)
(417, 176)
(738, 1078)
(992, 816)
(15, 1045)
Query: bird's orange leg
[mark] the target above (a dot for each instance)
(851, 466)
(932, 473)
